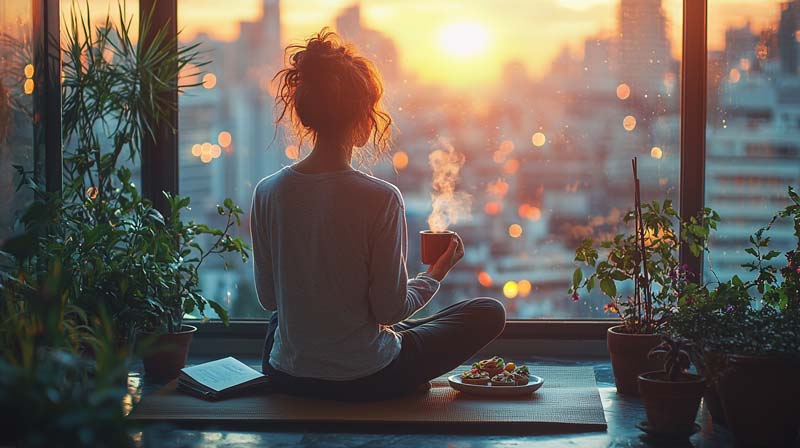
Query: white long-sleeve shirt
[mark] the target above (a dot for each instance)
(330, 256)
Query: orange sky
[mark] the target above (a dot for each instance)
(517, 29)
(532, 31)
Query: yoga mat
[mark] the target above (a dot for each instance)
(568, 399)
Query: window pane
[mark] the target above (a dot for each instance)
(16, 107)
(753, 132)
(547, 102)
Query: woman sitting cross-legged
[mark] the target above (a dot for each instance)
(330, 245)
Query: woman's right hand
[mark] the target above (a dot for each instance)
(450, 257)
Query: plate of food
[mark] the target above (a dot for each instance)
(495, 377)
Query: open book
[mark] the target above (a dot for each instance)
(220, 379)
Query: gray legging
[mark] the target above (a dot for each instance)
(431, 346)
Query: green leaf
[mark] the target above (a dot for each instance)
(221, 312)
(608, 287)
(577, 276)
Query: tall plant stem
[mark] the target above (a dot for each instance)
(642, 244)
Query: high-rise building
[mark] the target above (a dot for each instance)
(740, 43)
(644, 49)
(258, 47)
(373, 44)
(787, 36)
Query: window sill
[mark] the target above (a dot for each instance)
(541, 337)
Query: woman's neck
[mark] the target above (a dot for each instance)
(327, 155)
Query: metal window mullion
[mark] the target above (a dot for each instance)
(693, 120)
(47, 156)
(160, 152)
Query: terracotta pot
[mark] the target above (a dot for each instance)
(759, 396)
(167, 354)
(629, 357)
(434, 244)
(671, 406)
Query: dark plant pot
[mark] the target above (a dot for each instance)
(714, 405)
(167, 353)
(629, 357)
(759, 396)
(671, 406)
(712, 365)
(433, 244)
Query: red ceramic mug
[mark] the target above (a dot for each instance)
(434, 244)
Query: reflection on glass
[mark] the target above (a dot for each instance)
(16, 107)
(547, 102)
(753, 131)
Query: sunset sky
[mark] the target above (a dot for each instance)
(531, 31)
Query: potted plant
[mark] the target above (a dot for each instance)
(178, 258)
(749, 332)
(124, 258)
(48, 391)
(672, 395)
(646, 259)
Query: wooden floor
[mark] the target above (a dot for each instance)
(622, 414)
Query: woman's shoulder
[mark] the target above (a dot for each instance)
(385, 191)
(264, 185)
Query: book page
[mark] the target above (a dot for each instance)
(221, 374)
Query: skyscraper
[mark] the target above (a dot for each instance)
(644, 50)
(787, 36)
(373, 44)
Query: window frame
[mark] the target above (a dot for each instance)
(160, 166)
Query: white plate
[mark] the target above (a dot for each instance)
(534, 383)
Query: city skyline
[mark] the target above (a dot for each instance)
(559, 23)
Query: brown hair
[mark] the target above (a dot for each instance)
(327, 88)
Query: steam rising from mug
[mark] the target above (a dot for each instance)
(449, 206)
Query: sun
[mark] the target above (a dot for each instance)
(463, 39)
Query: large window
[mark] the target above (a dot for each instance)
(16, 107)
(753, 133)
(546, 101)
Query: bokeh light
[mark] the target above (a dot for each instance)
(492, 208)
(524, 287)
(205, 149)
(216, 151)
(506, 146)
(538, 139)
(734, 76)
(485, 279)
(511, 166)
(206, 157)
(224, 139)
(530, 212)
(623, 91)
(28, 70)
(656, 152)
(209, 80)
(498, 188)
(196, 150)
(400, 160)
(515, 230)
(629, 123)
(28, 86)
(510, 289)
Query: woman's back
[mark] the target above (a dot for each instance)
(330, 256)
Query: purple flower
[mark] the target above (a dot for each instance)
(728, 309)
(575, 296)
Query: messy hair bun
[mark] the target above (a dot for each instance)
(328, 89)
